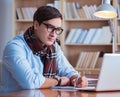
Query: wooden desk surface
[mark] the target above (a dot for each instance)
(61, 93)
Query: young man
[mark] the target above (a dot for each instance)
(35, 60)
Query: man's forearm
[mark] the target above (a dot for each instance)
(49, 82)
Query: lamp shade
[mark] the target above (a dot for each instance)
(106, 11)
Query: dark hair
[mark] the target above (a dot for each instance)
(45, 13)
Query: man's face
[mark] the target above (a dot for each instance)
(46, 31)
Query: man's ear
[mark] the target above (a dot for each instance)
(35, 24)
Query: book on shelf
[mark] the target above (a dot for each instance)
(81, 59)
(71, 10)
(25, 12)
(101, 35)
(76, 35)
(87, 60)
(90, 35)
(73, 36)
(94, 9)
(93, 57)
(93, 36)
(96, 36)
(57, 4)
(86, 11)
(82, 36)
(70, 35)
(65, 10)
(74, 11)
(94, 60)
(19, 14)
(81, 13)
(91, 11)
(106, 36)
(33, 9)
(68, 14)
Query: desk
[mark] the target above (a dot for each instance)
(60, 93)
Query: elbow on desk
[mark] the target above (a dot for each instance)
(30, 85)
(33, 84)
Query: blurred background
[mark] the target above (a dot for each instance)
(6, 23)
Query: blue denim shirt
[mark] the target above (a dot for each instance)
(21, 69)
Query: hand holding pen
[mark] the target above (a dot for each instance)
(76, 80)
(80, 81)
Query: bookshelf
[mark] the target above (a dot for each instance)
(73, 50)
(22, 24)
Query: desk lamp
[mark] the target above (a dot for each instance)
(107, 11)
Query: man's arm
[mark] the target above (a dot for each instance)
(49, 82)
(53, 82)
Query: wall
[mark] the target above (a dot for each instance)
(6, 23)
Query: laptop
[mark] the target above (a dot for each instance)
(109, 79)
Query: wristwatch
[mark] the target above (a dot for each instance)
(58, 78)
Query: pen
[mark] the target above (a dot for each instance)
(77, 79)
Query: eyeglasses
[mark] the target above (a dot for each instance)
(51, 28)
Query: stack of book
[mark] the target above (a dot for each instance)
(89, 36)
(87, 60)
(73, 10)
(56, 4)
(25, 13)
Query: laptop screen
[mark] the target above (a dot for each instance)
(109, 74)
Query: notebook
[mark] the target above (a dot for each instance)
(108, 79)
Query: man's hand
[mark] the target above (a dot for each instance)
(65, 81)
(81, 82)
